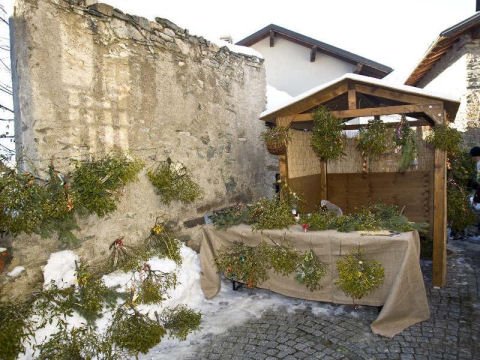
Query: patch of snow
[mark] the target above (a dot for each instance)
(17, 270)
(228, 309)
(60, 268)
(276, 98)
(3, 249)
(244, 50)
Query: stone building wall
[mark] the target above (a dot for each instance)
(466, 54)
(90, 80)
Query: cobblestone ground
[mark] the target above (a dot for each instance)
(453, 331)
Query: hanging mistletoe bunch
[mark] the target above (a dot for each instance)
(373, 140)
(310, 271)
(358, 276)
(445, 138)
(405, 138)
(328, 140)
(173, 181)
(250, 265)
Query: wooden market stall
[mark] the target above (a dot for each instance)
(420, 190)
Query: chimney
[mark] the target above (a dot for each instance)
(228, 38)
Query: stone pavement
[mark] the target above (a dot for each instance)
(453, 331)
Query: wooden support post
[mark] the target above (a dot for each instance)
(272, 38)
(283, 159)
(323, 182)
(352, 97)
(313, 54)
(440, 217)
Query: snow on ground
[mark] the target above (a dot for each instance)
(17, 270)
(60, 269)
(228, 309)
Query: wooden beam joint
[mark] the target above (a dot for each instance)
(272, 38)
(313, 53)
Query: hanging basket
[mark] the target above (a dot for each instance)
(276, 147)
(3, 259)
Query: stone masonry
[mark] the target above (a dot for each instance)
(90, 80)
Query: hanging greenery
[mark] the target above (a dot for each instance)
(134, 332)
(162, 242)
(96, 184)
(180, 321)
(31, 205)
(270, 214)
(445, 138)
(276, 139)
(358, 276)
(405, 138)
(310, 271)
(459, 211)
(374, 140)
(16, 327)
(250, 264)
(327, 140)
(153, 285)
(77, 343)
(173, 182)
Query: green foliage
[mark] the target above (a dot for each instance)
(310, 271)
(96, 184)
(173, 182)
(405, 138)
(445, 138)
(270, 214)
(461, 175)
(461, 169)
(181, 321)
(153, 288)
(81, 343)
(163, 243)
(357, 276)
(91, 293)
(15, 328)
(250, 265)
(231, 216)
(459, 212)
(374, 217)
(283, 259)
(47, 207)
(244, 263)
(327, 135)
(22, 202)
(134, 332)
(374, 140)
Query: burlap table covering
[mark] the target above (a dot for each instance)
(402, 294)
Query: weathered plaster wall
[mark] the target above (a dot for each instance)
(458, 73)
(91, 80)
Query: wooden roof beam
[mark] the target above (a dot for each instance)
(432, 110)
(313, 53)
(394, 95)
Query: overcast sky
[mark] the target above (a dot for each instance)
(394, 33)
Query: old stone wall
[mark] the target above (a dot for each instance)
(89, 80)
(463, 61)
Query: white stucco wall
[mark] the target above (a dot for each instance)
(452, 80)
(289, 68)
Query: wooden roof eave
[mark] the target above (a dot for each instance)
(414, 103)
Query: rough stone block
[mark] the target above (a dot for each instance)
(104, 9)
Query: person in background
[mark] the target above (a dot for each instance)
(475, 154)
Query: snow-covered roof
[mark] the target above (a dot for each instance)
(364, 79)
